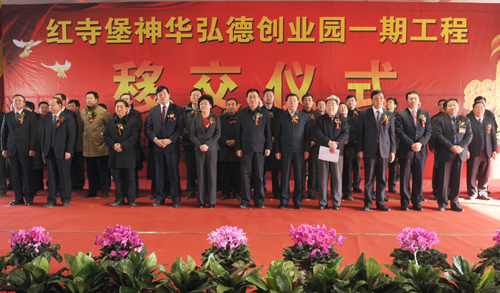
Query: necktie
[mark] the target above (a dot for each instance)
(163, 112)
(18, 116)
(414, 114)
(455, 130)
(54, 119)
(481, 131)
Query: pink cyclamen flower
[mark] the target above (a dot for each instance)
(496, 238)
(319, 238)
(228, 236)
(122, 236)
(416, 239)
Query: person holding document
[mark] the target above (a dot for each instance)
(332, 131)
(377, 147)
(292, 144)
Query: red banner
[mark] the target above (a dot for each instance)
(442, 50)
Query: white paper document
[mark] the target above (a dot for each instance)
(325, 155)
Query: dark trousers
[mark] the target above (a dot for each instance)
(411, 170)
(347, 175)
(191, 174)
(375, 167)
(478, 172)
(275, 179)
(3, 175)
(393, 173)
(37, 179)
(230, 177)
(167, 166)
(124, 184)
(312, 168)
(450, 174)
(78, 170)
(58, 168)
(326, 168)
(252, 168)
(289, 160)
(22, 179)
(435, 177)
(98, 174)
(206, 166)
(356, 173)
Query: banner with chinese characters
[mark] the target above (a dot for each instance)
(442, 50)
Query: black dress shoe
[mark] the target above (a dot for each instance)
(89, 194)
(383, 209)
(105, 195)
(441, 209)
(212, 206)
(28, 203)
(311, 196)
(66, 203)
(418, 209)
(366, 208)
(132, 204)
(336, 208)
(392, 190)
(168, 196)
(237, 196)
(282, 206)
(190, 195)
(276, 196)
(405, 208)
(158, 203)
(297, 206)
(261, 206)
(242, 206)
(424, 199)
(348, 198)
(225, 196)
(116, 203)
(201, 206)
(357, 189)
(176, 205)
(386, 198)
(153, 196)
(457, 209)
(13, 203)
(321, 207)
(49, 205)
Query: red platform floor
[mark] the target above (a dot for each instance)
(172, 233)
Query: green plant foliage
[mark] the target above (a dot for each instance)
(236, 282)
(491, 254)
(420, 279)
(87, 275)
(301, 257)
(20, 255)
(133, 274)
(229, 259)
(281, 277)
(184, 277)
(427, 258)
(471, 278)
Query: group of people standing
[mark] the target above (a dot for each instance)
(237, 149)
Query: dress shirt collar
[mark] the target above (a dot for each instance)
(58, 114)
(268, 109)
(291, 114)
(451, 117)
(375, 110)
(167, 105)
(19, 112)
(128, 111)
(411, 111)
(477, 118)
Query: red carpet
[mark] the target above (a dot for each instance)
(181, 232)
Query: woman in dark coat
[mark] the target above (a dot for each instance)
(120, 135)
(205, 132)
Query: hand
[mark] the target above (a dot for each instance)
(272, 138)
(278, 156)
(159, 143)
(460, 149)
(239, 154)
(392, 157)
(116, 146)
(67, 156)
(493, 155)
(31, 153)
(267, 153)
(4, 154)
(346, 142)
(468, 155)
(119, 149)
(306, 155)
(416, 147)
(203, 147)
(167, 141)
(333, 145)
(360, 155)
(313, 143)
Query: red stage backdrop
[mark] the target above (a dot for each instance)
(442, 50)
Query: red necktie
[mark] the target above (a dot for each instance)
(163, 112)
(414, 117)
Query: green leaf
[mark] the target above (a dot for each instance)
(69, 259)
(460, 264)
(128, 268)
(124, 289)
(17, 276)
(222, 288)
(485, 279)
(42, 263)
(148, 264)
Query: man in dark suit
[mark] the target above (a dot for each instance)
(487, 113)
(312, 161)
(482, 148)
(332, 131)
(271, 164)
(140, 157)
(165, 128)
(230, 163)
(453, 135)
(3, 169)
(38, 163)
(413, 128)
(353, 113)
(432, 146)
(68, 111)
(77, 160)
(292, 143)
(376, 146)
(350, 153)
(19, 144)
(58, 144)
(253, 143)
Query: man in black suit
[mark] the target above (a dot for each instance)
(350, 153)
(487, 113)
(19, 144)
(292, 143)
(253, 143)
(413, 128)
(230, 163)
(140, 157)
(432, 146)
(312, 161)
(271, 164)
(482, 148)
(58, 144)
(68, 111)
(453, 135)
(77, 160)
(38, 163)
(376, 146)
(353, 113)
(165, 128)
(3, 169)
(332, 131)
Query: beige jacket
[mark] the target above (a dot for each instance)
(93, 144)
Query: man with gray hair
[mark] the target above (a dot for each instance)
(332, 131)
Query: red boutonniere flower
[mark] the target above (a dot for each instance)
(337, 120)
(171, 116)
(194, 113)
(59, 121)
(422, 119)
(488, 128)
(271, 115)
(295, 119)
(311, 116)
(461, 123)
(120, 128)
(233, 120)
(386, 119)
(92, 114)
(21, 119)
(210, 122)
(355, 112)
(256, 117)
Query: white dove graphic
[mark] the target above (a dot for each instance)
(27, 46)
(60, 68)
